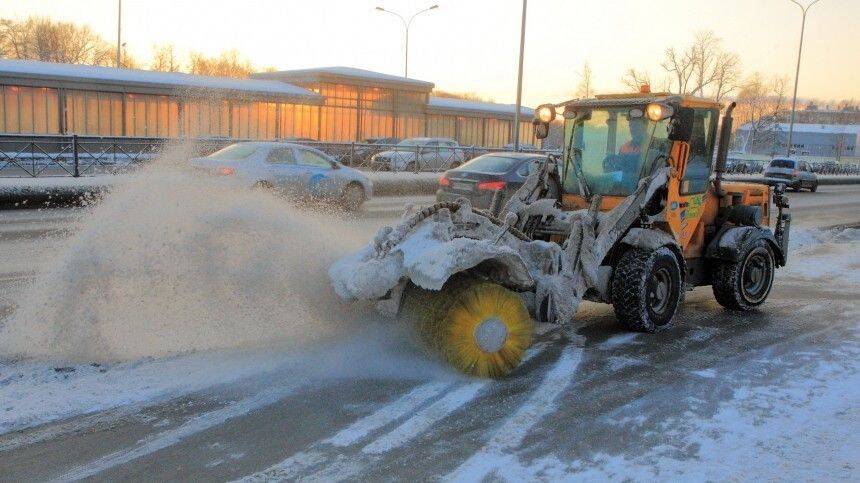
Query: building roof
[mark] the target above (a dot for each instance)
(853, 129)
(347, 74)
(48, 73)
(459, 105)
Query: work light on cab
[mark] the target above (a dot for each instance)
(546, 113)
(657, 111)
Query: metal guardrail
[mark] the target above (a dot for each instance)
(72, 155)
(41, 156)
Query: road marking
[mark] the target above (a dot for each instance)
(512, 432)
(340, 467)
(427, 417)
(424, 419)
(387, 414)
(165, 439)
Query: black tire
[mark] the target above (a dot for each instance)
(353, 196)
(814, 187)
(745, 284)
(646, 289)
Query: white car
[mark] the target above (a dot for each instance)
(420, 154)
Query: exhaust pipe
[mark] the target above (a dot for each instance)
(723, 150)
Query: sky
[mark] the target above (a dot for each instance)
(472, 45)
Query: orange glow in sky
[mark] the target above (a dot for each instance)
(472, 45)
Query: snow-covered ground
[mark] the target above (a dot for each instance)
(770, 395)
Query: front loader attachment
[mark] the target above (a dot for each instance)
(464, 276)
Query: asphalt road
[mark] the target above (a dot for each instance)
(770, 394)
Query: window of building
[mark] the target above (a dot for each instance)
(29, 110)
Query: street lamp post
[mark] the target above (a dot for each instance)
(118, 33)
(797, 71)
(406, 24)
(520, 80)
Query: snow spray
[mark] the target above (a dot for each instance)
(172, 261)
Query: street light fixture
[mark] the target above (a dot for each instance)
(406, 24)
(797, 72)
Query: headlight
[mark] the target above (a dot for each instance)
(546, 113)
(657, 112)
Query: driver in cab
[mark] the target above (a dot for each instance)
(626, 163)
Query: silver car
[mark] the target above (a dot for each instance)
(793, 173)
(420, 154)
(292, 169)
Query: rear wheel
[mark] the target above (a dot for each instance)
(646, 289)
(814, 187)
(353, 196)
(479, 327)
(745, 284)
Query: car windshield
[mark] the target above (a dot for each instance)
(607, 151)
(412, 142)
(491, 164)
(782, 163)
(234, 152)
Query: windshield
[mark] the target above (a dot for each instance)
(412, 142)
(613, 149)
(234, 152)
(491, 164)
(782, 163)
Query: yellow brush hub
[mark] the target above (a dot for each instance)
(479, 327)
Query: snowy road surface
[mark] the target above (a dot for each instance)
(773, 394)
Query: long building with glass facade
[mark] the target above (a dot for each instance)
(335, 104)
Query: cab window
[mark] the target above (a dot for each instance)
(698, 172)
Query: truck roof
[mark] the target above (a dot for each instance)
(638, 99)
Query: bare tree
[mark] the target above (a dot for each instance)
(585, 88)
(680, 66)
(40, 38)
(760, 102)
(468, 96)
(227, 64)
(704, 68)
(164, 59)
(635, 79)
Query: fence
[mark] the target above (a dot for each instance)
(41, 156)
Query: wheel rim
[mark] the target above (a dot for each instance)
(354, 196)
(756, 276)
(660, 291)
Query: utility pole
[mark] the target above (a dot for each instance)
(119, 34)
(797, 71)
(406, 24)
(520, 80)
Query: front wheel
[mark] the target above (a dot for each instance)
(814, 187)
(353, 196)
(745, 284)
(646, 289)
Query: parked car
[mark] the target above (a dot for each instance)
(290, 168)
(370, 146)
(793, 173)
(479, 179)
(420, 154)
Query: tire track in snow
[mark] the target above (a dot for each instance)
(510, 435)
(342, 467)
(168, 438)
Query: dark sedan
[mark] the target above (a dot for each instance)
(479, 179)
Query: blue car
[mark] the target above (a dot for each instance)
(292, 169)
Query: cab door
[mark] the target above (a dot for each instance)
(688, 193)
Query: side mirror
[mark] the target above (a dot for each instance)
(681, 125)
(541, 129)
(335, 165)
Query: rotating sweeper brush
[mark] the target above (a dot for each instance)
(633, 229)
